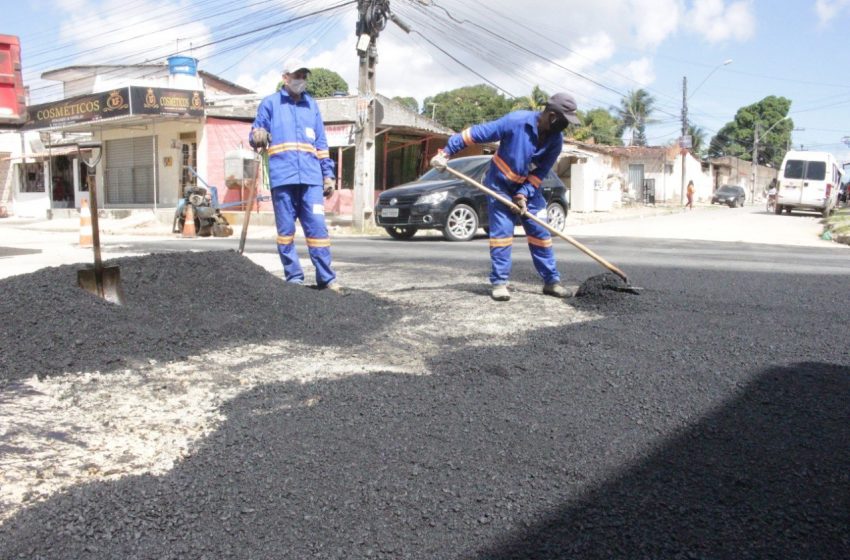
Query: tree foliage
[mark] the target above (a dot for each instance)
(535, 101)
(736, 138)
(635, 112)
(322, 82)
(409, 102)
(600, 127)
(468, 105)
(698, 136)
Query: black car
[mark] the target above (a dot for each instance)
(439, 200)
(732, 195)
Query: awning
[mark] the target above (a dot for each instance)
(57, 151)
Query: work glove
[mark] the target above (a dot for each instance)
(260, 138)
(329, 185)
(521, 203)
(440, 160)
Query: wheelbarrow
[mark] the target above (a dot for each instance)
(102, 281)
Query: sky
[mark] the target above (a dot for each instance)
(596, 50)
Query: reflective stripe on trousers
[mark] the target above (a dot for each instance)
(305, 203)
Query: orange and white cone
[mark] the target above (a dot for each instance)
(85, 224)
(189, 222)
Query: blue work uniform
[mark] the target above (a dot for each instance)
(298, 162)
(518, 167)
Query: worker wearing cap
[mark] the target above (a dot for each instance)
(529, 145)
(290, 128)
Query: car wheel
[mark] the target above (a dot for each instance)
(461, 223)
(556, 215)
(733, 203)
(401, 232)
(787, 209)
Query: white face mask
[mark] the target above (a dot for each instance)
(297, 86)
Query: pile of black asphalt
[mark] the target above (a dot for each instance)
(667, 428)
(177, 305)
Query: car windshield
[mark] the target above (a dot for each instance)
(470, 166)
(726, 189)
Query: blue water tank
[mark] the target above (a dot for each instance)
(183, 65)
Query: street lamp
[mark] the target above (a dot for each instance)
(726, 62)
(756, 153)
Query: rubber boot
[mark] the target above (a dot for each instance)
(500, 293)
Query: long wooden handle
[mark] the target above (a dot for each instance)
(509, 203)
(248, 207)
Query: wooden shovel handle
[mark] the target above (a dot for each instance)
(252, 196)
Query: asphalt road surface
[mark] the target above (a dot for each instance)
(707, 417)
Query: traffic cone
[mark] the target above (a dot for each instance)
(189, 222)
(85, 224)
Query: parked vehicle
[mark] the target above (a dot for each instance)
(808, 181)
(439, 200)
(731, 195)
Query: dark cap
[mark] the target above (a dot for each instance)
(564, 105)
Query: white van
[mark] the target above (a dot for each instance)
(808, 181)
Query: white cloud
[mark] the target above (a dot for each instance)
(829, 9)
(717, 20)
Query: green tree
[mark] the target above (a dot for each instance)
(635, 111)
(409, 102)
(698, 136)
(468, 105)
(322, 82)
(535, 101)
(600, 126)
(736, 137)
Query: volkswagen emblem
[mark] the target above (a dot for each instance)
(393, 201)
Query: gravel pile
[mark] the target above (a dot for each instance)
(177, 305)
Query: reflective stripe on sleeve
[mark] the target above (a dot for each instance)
(467, 137)
(535, 180)
(323, 154)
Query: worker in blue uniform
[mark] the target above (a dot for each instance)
(290, 128)
(529, 145)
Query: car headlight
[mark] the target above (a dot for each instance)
(433, 198)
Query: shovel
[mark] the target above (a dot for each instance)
(624, 287)
(252, 198)
(102, 281)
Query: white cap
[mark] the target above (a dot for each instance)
(294, 66)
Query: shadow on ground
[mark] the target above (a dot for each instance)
(491, 466)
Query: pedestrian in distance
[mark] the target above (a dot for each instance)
(690, 193)
(290, 128)
(529, 145)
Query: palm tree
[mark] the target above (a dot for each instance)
(634, 111)
(698, 136)
(536, 101)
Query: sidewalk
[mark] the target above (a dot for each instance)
(146, 223)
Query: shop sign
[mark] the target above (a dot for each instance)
(83, 108)
(116, 103)
(162, 101)
(339, 135)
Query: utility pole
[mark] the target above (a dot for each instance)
(373, 15)
(682, 149)
(433, 110)
(755, 161)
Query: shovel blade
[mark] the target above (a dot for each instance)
(106, 285)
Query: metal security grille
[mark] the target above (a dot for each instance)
(130, 171)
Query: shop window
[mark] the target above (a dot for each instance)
(32, 177)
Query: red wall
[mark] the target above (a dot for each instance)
(224, 135)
